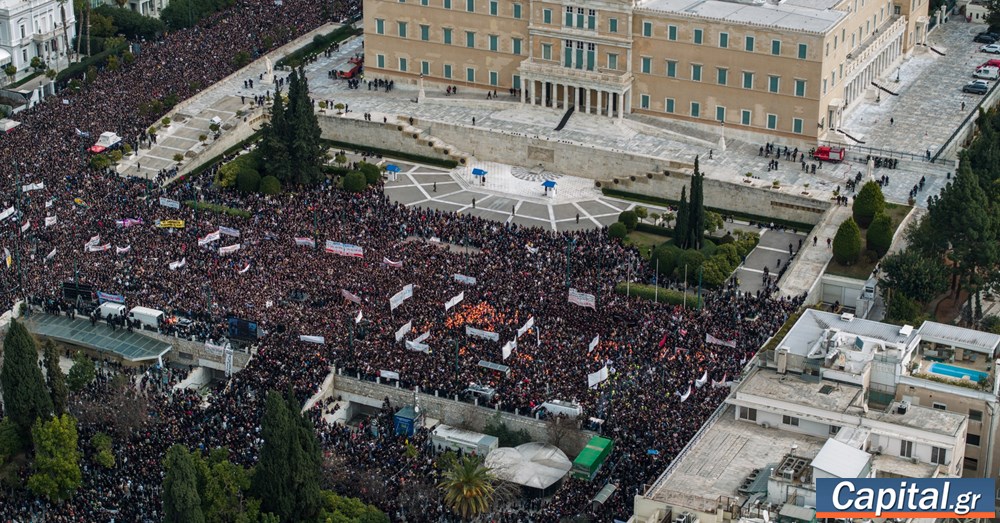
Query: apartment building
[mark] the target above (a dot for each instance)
(761, 68)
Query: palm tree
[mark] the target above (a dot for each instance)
(468, 487)
(66, 45)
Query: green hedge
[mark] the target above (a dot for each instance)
(218, 209)
(319, 44)
(216, 159)
(663, 202)
(655, 229)
(24, 80)
(98, 60)
(649, 292)
(448, 164)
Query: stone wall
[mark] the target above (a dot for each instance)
(449, 411)
(391, 136)
(756, 198)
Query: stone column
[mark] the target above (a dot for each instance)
(586, 99)
(545, 98)
(530, 88)
(524, 82)
(600, 108)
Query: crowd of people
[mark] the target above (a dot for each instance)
(655, 353)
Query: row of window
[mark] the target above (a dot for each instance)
(448, 71)
(746, 118)
(470, 6)
(698, 38)
(722, 76)
(447, 36)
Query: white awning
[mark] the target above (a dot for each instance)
(4, 56)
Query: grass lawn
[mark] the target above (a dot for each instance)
(863, 268)
(644, 240)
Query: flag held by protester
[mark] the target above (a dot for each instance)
(716, 341)
(305, 242)
(349, 296)
(177, 264)
(390, 263)
(403, 330)
(582, 299)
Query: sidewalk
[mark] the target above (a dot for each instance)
(811, 262)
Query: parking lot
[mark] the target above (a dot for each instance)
(929, 106)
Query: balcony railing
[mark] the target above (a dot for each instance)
(615, 79)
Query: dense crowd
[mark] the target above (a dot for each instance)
(655, 352)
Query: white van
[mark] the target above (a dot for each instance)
(147, 317)
(112, 308)
(987, 72)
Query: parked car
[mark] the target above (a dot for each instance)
(991, 63)
(987, 72)
(992, 48)
(986, 38)
(976, 87)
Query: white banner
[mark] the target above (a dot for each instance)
(49, 203)
(593, 344)
(32, 187)
(349, 296)
(461, 278)
(355, 251)
(418, 347)
(228, 231)
(214, 350)
(209, 238)
(700, 382)
(582, 299)
(389, 375)
(229, 249)
(244, 269)
(686, 395)
(51, 254)
(469, 331)
(527, 325)
(7, 213)
(99, 248)
(51, 220)
(393, 264)
(422, 337)
(178, 264)
(404, 330)
(508, 348)
(26, 226)
(167, 202)
(313, 339)
(454, 301)
(596, 377)
(94, 240)
(357, 319)
(333, 247)
(397, 299)
(305, 242)
(123, 250)
(716, 341)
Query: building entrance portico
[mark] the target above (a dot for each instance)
(590, 92)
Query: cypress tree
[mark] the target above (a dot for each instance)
(274, 151)
(270, 481)
(305, 460)
(696, 220)
(54, 378)
(305, 145)
(24, 394)
(681, 223)
(181, 500)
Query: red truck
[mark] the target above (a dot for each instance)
(829, 154)
(351, 69)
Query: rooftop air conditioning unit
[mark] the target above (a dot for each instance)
(902, 407)
(848, 317)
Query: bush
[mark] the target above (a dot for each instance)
(178, 157)
(730, 253)
(663, 295)
(507, 437)
(270, 185)
(617, 231)
(707, 247)
(372, 173)
(131, 24)
(248, 181)
(103, 456)
(869, 203)
(715, 271)
(202, 137)
(115, 156)
(79, 69)
(355, 182)
(630, 219)
(690, 259)
(847, 243)
(880, 234)
(666, 256)
(228, 175)
(179, 14)
(745, 242)
(165, 121)
(218, 209)
(654, 229)
(100, 162)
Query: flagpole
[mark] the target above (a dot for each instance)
(656, 283)
(628, 279)
(685, 286)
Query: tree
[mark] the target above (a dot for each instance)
(275, 158)
(992, 13)
(354, 181)
(10, 71)
(641, 212)
(181, 500)
(681, 225)
(54, 378)
(24, 394)
(303, 142)
(665, 257)
(716, 270)
(286, 478)
(270, 185)
(103, 455)
(57, 459)
(225, 485)
(713, 222)
(868, 203)
(81, 373)
(920, 277)
(37, 64)
(629, 219)
(688, 262)
(847, 243)
(248, 181)
(696, 209)
(468, 487)
(879, 236)
(617, 230)
(902, 309)
(62, 16)
(372, 173)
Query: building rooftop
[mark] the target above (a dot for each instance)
(813, 323)
(922, 418)
(978, 341)
(841, 460)
(814, 16)
(728, 451)
(826, 395)
(131, 346)
(896, 467)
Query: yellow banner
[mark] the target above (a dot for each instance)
(170, 224)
